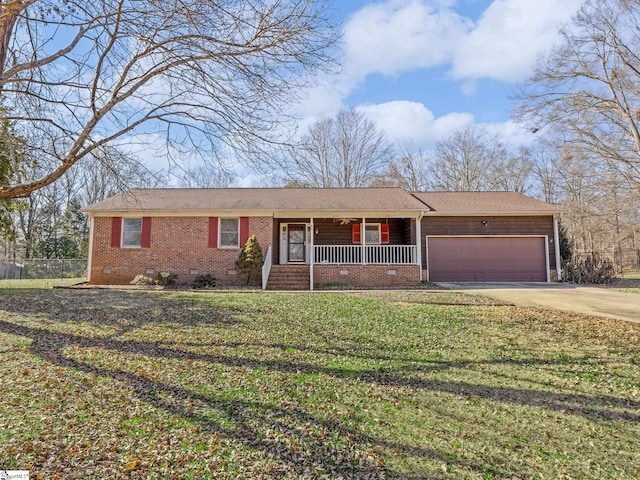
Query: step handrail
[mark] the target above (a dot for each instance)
(266, 269)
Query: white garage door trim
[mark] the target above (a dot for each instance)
(546, 247)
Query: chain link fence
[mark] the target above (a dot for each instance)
(43, 268)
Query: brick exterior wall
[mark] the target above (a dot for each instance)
(178, 245)
(376, 276)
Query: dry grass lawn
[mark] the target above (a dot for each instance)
(134, 384)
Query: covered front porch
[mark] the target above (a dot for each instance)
(354, 250)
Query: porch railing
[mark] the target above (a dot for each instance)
(373, 254)
(266, 269)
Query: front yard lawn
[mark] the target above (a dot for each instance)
(39, 282)
(630, 282)
(134, 384)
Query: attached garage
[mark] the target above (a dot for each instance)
(487, 258)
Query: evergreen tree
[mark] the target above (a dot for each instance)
(566, 250)
(250, 261)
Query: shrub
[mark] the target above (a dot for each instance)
(141, 280)
(590, 268)
(564, 244)
(165, 279)
(204, 281)
(250, 260)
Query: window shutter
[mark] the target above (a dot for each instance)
(145, 238)
(116, 231)
(244, 231)
(384, 233)
(213, 232)
(356, 235)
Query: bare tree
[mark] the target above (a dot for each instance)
(76, 76)
(45, 213)
(346, 151)
(469, 160)
(205, 176)
(515, 173)
(545, 172)
(409, 171)
(110, 171)
(600, 207)
(588, 89)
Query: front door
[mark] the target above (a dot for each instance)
(296, 243)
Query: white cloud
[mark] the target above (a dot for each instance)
(509, 37)
(393, 37)
(401, 35)
(413, 124)
(324, 99)
(444, 126)
(406, 122)
(512, 133)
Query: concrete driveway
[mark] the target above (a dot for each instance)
(603, 302)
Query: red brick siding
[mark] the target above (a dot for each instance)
(376, 276)
(178, 245)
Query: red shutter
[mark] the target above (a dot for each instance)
(356, 236)
(384, 233)
(116, 231)
(213, 232)
(244, 230)
(145, 240)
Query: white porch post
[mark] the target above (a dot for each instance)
(363, 229)
(419, 243)
(312, 255)
(557, 247)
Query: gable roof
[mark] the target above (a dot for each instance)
(259, 199)
(474, 203)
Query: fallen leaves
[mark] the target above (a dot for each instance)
(113, 384)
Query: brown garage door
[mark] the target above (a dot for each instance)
(487, 259)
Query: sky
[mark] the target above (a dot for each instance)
(422, 69)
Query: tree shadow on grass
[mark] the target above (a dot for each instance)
(592, 407)
(251, 420)
(120, 310)
(150, 308)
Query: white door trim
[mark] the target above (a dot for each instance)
(284, 243)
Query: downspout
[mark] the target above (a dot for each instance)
(363, 229)
(90, 250)
(419, 242)
(556, 237)
(312, 258)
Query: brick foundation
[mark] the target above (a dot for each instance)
(178, 245)
(374, 276)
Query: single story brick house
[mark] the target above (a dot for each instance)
(360, 237)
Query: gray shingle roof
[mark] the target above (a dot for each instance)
(260, 199)
(484, 203)
(269, 200)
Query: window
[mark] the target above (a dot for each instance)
(372, 233)
(229, 233)
(131, 232)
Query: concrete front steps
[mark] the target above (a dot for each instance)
(289, 277)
